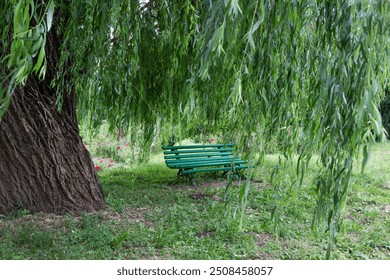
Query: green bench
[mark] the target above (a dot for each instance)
(193, 159)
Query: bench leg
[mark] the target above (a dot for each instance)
(237, 174)
(240, 174)
(191, 178)
(180, 172)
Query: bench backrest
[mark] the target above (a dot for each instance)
(194, 153)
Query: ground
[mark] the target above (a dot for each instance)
(154, 214)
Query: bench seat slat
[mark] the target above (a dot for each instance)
(202, 164)
(210, 154)
(191, 171)
(202, 161)
(196, 146)
(207, 159)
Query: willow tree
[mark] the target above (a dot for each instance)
(306, 73)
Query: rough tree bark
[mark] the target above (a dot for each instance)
(44, 165)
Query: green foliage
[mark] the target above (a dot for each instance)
(305, 74)
(24, 25)
(107, 151)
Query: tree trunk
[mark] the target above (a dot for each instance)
(44, 165)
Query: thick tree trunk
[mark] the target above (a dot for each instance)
(44, 165)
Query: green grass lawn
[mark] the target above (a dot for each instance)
(151, 213)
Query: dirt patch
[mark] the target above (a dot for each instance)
(41, 220)
(262, 238)
(157, 256)
(214, 184)
(263, 256)
(50, 221)
(199, 187)
(128, 215)
(260, 184)
(354, 237)
(205, 234)
(131, 215)
(386, 186)
(386, 209)
(2, 225)
(201, 196)
(350, 217)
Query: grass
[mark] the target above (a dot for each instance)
(151, 213)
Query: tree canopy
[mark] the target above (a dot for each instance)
(306, 74)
